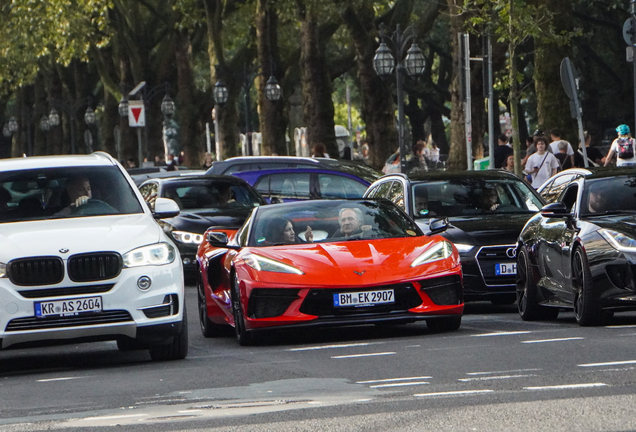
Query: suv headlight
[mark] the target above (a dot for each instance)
(155, 254)
(261, 263)
(438, 251)
(187, 237)
(3, 270)
(618, 240)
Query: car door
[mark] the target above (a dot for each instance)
(571, 197)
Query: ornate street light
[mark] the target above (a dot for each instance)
(54, 118)
(383, 62)
(273, 91)
(44, 123)
(123, 107)
(5, 130)
(167, 106)
(13, 125)
(221, 93)
(89, 116)
(414, 63)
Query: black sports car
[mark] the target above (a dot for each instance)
(580, 251)
(205, 201)
(486, 211)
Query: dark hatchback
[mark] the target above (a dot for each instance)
(486, 211)
(205, 201)
(580, 252)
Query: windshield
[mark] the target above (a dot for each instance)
(610, 194)
(329, 221)
(52, 193)
(210, 195)
(467, 197)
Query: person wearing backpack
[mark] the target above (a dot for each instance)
(623, 147)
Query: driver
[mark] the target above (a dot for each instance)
(597, 201)
(79, 192)
(350, 220)
(488, 199)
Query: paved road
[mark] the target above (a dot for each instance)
(496, 373)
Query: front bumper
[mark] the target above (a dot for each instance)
(480, 280)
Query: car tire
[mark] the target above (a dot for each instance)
(586, 308)
(177, 349)
(527, 298)
(444, 324)
(243, 336)
(208, 328)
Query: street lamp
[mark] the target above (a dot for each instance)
(221, 94)
(89, 116)
(54, 118)
(13, 125)
(273, 91)
(44, 123)
(413, 65)
(167, 106)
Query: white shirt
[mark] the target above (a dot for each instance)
(554, 147)
(620, 161)
(545, 172)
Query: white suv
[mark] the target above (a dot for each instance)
(82, 259)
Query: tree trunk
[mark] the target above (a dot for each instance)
(514, 108)
(185, 101)
(457, 153)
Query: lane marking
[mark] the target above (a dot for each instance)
(552, 340)
(59, 379)
(501, 333)
(566, 386)
(393, 380)
(114, 417)
(363, 355)
(189, 411)
(454, 393)
(320, 347)
(608, 363)
(495, 377)
(500, 372)
(621, 326)
(399, 384)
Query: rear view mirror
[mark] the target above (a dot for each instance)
(437, 226)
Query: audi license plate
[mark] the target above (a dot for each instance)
(505, 269)
(367, 298)
(71, 307)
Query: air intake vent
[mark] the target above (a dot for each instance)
(94, 266)
(47, 270)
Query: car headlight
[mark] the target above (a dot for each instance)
(187, 237)
(155, 254)
(618, 240)
(438, 251)
(463, 248)
(3, 270)
(261, 263)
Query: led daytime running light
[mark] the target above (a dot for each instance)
(187, 237)
(438, 251)
(261, 263)
(155, 254)
(619, 240)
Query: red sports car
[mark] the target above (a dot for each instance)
(329, 262)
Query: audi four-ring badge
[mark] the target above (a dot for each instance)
(82, 259)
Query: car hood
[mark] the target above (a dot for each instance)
(200, 220)
(494, 229)
(78, 235)
(621, 223)
(354, 262)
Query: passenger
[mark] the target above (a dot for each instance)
(280, 231)
(79, 192)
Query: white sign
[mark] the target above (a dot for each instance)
(136, 113)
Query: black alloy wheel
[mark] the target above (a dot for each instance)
(527, 298)
(586, 309)
(243, 336)
(208, 328)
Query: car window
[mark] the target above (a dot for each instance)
(286, 186)
(396, 194)
(51, 193)
(150, 191)
(609, 194)
(209, 195)
(568, 197)
(382, 190)
(335, 186)
(551, 194)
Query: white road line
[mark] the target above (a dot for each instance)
(621, 326)
(189, 411)
(552, 340)
(399, 384)
(114, 417)
(363, 355)
(501, 372)
(393, 380)
(501, 334)
(319, 347)
(454, 393)
(59, 379)
(497, 377)
(567, 386)
(608, 363)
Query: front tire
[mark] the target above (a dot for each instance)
(586, 309)
(527, 297)
(208, 328)
(178, 348)
(444, 324)
(243, 336)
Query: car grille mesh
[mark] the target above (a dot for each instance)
(33, 323)
(267, 303)
(487, 257)
(94, 266)
(319, 302)
(36, 271)
(66, 291)
(445, 290)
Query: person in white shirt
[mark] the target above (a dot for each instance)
(541, 165)
(623, 137)
(555, 135)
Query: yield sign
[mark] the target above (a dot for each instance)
(136, 113)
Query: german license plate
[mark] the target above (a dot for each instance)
(366, 298)
(71, 307)
(505, 269)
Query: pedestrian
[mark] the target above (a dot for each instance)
(562, 156)
(320, 151)
(502, 151)
(207, 161)
(417, 162)
(130, 163)
(542, 165)
(622, 147)
(555, 135)
(509, 165)
(431, 153)
(530, 149)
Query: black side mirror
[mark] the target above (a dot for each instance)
(220, 240)
(557, 209)
(437, 226)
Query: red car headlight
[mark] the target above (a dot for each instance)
(438, 251)
(261, 263)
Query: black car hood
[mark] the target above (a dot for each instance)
(625, 223)
(496, 229)
(197, 221)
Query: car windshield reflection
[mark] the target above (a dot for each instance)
(609, 195)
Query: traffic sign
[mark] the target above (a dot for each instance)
(136, 113)
(629, 31)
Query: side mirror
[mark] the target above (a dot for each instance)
(275, 200)
(437, 226)
(165, 208)
(557, 209)
(219, 239)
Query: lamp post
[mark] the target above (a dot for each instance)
(385, 65)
